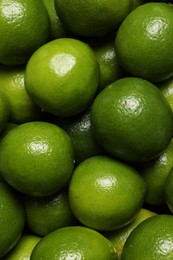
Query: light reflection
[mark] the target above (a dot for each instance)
(166, 247)
(106, 183)
(38, 147)
(132, 105)
(163, 159)
(12, 10)
(155, 28)
(62, 63)
(109, 55)
(70, 255)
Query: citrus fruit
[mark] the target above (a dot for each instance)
(110, 69)
(166, 87)
(57, 29)
(88, 18)
(62, 77)
(24, 28)
(12, 218)
(24, 248)
(151, 239)
(119, 237)
(102, 194)
(36, 158)
(155, 173)
(22, 108)
(137, 3)
(132, 120)
(79, 129)
(143, 42)
(8, 128)
(4, 110)
(74, 243)
(168, 190)
(45, 214)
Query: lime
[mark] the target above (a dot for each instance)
(151, 239)
(119, 237)
(24, 28)
(36, 158)
(132, 120)
(46, 214)
(22, 108)
(62, 77)
(12, 218)
(74, 243)
(143, 42)
(102, 194)
(24, 248)
(92, 18)
(155, 173)
(4, 110)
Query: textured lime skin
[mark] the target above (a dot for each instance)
(102, 195)
(132, 120)
(22, 30)
(75, 242)
(88, 18)
(23, 248)
(166, 87)
(143, 42)
(151, 239)
(45, 214)
(155, 173)
(57, 29)
(4, 110)
(81, 133)
(110, 69)
(12, 218)
(22, 108)
(62, 77)
(168, 190)
(36, 158)
(119, 237)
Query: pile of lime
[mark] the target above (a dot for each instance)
(86, 130)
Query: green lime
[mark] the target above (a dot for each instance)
(132, 120)
(155, 173)
(105, 53)
(57, 29)
(151, 239)
(168, 190)
(24, 28)
(92, 18)
(4, 110)
(24, 248)
(166, 87)
(46, 214)
(12, 218)
(102, 194)
(36, 158)
(22, 108)
(119, 237)
(144, 42)
(62, 77)
(80, 131)
(74, 243)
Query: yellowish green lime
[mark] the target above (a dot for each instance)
(75, 242)
(62, 77)
(36, 158)
(102, 194)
